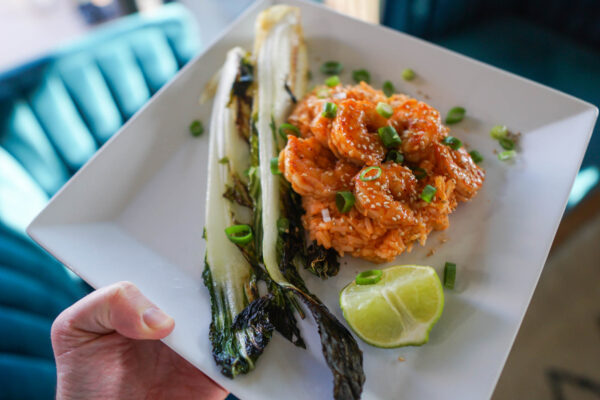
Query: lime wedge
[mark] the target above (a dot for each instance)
(398, 310)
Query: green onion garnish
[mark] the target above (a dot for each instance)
(428, 193)
(384, 109)
(196, 128)
(507, 155)
(322, 93)
(389, 136)
(498, 132)
(330, 110)
(224, 160)
(363, 175)
(344, 201)
(506, 143)
(449, 275)
(395, 156)
(369, 277)
(332, 81)
(456, 114)
(283, 225)
(288, 129)
(476, 156)
(388, 88)
(408, 74)
(332, 68)
(452, 142)
(275, 166)
(361, 75)
(239, 234)
(419, 172)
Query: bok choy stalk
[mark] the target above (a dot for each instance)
(281, 64)
(229, 277)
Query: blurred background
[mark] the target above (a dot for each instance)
(73, 71)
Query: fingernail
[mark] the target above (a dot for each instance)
(155, 318)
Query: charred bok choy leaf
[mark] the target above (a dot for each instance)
(281, 64)
(229, 277)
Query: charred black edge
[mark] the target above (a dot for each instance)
(290, 93)
(341, 352)
(267, 310)
(238, 192)
(317, 259)
(241, 91)
(281, 306)
(225, 344)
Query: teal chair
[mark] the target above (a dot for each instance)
(55, 113)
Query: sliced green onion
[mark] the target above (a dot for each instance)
(361, 75)
(384, 109)
(275, 166)
(389, 136)
(369, 277)
(395, 156)
(196, 128)
(363, 175)
(419, 173)
(322, 93)
(449, 275)
(452, 142)
(344, 201)
(288, 129)
(388, 88)
(456, 114)
(428, 193)
(332, 81)
(476, 156)
(498, 132)
(332, 68)
(239, 234)
(507, 155)
(330, 110)
(506, 143)
(408, 74)
(283, 225)
(224, 160)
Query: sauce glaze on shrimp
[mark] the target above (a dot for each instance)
(389, 214)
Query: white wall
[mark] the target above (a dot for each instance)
(29, 28)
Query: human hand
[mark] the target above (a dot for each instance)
(106, 347)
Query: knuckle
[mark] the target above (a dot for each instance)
(123, 290)
(61, 327)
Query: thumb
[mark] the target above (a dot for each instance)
(120, 308)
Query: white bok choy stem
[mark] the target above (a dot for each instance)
(281, 68)
(281, 60)
(228, 275)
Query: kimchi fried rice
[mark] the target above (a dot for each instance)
(345, 153)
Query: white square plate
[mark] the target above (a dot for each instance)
(136, 212)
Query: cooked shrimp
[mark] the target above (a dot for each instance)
(354, 133)
(459, 166)
(421, 125)
(313, 170)
(386, 198)
(305, 113)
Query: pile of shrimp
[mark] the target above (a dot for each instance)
(388, 215)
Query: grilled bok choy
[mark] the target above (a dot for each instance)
(229, 277)
(242, 322)
(281, 65)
